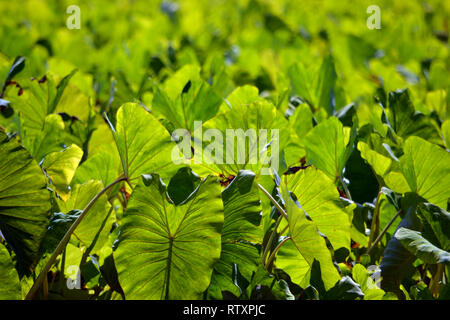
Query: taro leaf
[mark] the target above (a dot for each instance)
(301, 83)
(144, 144)
(60, 90)
(18, 65)
(59, 225)
(300, 124)
(9, 279)
(446, 132)
(319, 198)
(357, 214)
(103, 166)
(363, 185)
(252, 142)
(345, 289)
(265, 286)
(175, 84)
(317, 92)
(311, 245)
(86, 231)
(24, 201)
(182, 184)
(427, 171)
(38, 100)
(49, 139)
(241, 96)
(396, 261)
(405, 121)
(421, 247)
(368, 286)
(292, 262)
(326, 147)
(396, 181)
(439, 220)
(325, 84)
(240, 234)
(60, 168)
(379, 163)
(198, 102)
(109, 273)
(167, 251)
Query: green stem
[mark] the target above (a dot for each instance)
(269, 242)
(374, 227)
(274, 252)
(383, 232)
(62, 244)
(275, 203)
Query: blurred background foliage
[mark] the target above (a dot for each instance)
(134, 43)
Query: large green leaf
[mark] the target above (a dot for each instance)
(325, 85)
(421, 247)
(311, 245)
(144, 144)
(316, 90)
(319, 198)
(241, 96)
(86, 231)
(396, 261)
(60, 168)
(379, 163)
(104, 166)
(251, 142)
(24, 200)
(368, 285)
(439, 221)
(39, 128)
(182, 184)
(405, 121)
(197, 102)
(326, 147)
(167, 251)
(427, 170)
(300, 124)
(9, 279)
(292, 262)
(241, 232)
(49, 139)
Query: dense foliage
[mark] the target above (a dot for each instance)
(92, 205)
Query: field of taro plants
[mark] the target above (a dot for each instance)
(239, 149)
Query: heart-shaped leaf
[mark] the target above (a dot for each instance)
(167, 251)
(425, 167)
(144, 144)
(309, 242)
(319, 198)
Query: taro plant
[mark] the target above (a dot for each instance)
(300, 160)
